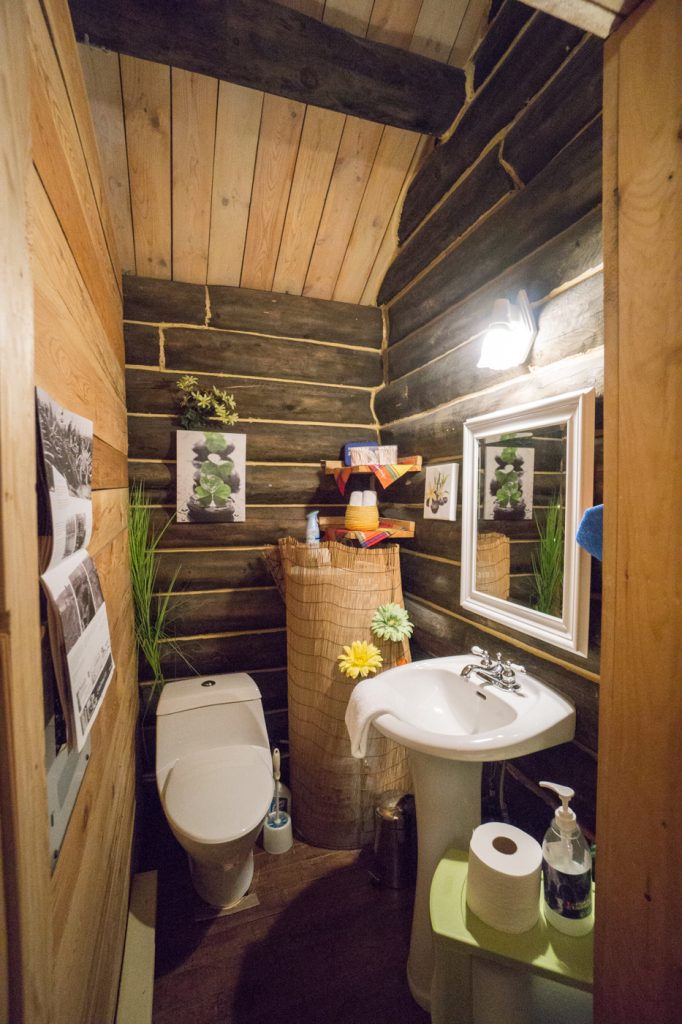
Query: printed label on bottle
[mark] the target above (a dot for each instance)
(568, 895)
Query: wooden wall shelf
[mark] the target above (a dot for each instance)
(402, 527)
(414, 461)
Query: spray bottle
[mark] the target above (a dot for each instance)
(566, 870)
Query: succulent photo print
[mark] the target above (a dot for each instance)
(508, 488)
(211, 477)
(440, 494)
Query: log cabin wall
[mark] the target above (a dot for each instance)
(65, 932)
(303, 372)
(510, 200)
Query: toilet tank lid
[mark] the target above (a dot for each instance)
(203, 691)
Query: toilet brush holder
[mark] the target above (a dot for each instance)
(277, 834)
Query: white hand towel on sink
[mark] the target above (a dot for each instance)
(370, 698)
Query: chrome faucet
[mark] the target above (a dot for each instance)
(494, 673)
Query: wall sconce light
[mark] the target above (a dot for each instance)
(510, 335)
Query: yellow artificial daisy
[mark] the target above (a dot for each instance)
(360, 659)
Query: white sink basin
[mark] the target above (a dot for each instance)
(440, 712)
(451, 724)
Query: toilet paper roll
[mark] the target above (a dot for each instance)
(503, 880)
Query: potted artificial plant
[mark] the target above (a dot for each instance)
(211, 464)
(151, 610)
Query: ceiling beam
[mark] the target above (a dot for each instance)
(262, 45)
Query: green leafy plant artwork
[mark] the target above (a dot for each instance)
(508, 488)
(211, 470)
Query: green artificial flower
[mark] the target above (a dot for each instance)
(391, 622)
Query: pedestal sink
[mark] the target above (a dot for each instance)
(451, 724)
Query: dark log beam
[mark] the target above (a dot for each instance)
(262, 45)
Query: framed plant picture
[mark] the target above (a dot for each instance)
(211, 477)
(440, 494)
(508, 489)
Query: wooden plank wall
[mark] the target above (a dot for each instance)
(637, 938)
(303, 372)
(510, 201)
(25, 924)
(215, 183)
(79, 361)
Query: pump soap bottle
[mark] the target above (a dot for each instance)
(566, 870)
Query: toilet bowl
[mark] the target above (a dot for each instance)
(214, 776)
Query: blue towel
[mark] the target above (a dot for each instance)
(590, 533)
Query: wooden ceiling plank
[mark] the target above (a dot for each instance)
(264, 45)
(389, 243)
(103, 80)
(350, 15)
(437, 28)
(281, 125)
(470, 32)
(393, 167)
(389, 172)
(353, 164)
(314, 165)
(146, 104)
(194, 103)
(390, 22)
(237, 130)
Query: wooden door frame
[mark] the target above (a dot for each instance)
(638, 973)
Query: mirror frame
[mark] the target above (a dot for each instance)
(576, 411)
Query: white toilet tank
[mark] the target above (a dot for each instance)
(208, 711)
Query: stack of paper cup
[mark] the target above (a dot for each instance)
(503, 881)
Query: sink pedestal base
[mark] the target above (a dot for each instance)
(448, 803)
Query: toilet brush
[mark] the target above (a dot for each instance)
(276, 772)
(277, 832)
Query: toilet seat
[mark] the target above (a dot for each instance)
(220, 794)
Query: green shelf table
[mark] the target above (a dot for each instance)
(459, 936)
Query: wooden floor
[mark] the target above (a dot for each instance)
(325, 946)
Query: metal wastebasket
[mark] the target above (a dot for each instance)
(395, 841)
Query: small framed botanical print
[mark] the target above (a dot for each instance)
(440, 495)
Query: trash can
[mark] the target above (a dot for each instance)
(395, 841)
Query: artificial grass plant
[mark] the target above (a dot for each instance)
(151, 609)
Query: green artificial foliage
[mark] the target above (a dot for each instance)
(151, 609)
(200, 405)
(548, 564)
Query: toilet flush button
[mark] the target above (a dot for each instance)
(208, 682)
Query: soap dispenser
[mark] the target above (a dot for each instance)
(566, 870)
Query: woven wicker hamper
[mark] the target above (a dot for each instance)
(492, 564)
(331, 593)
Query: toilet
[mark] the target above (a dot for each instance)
(214, 776)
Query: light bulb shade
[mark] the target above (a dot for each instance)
(510, 336)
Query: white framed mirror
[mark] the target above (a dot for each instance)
(526, 482)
